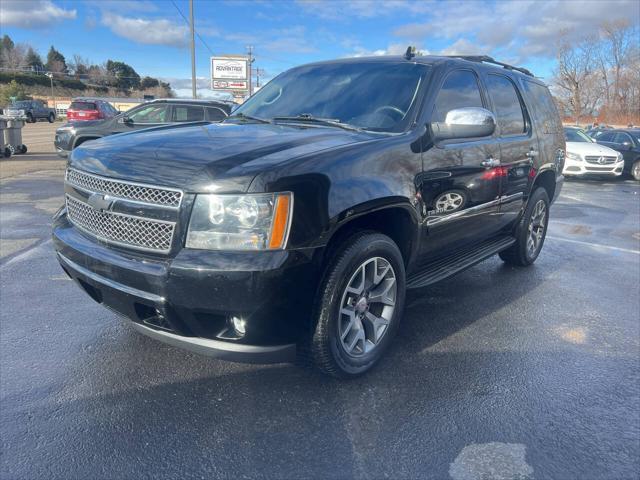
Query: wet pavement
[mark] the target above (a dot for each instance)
(499, 372)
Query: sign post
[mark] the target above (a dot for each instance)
(230, 73)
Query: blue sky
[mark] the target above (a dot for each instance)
(153, 37)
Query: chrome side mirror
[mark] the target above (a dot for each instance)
(468, 122)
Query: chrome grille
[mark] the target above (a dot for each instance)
(595, 159)
(120, 229)
(127, 190)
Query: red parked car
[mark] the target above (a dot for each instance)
(90, 109)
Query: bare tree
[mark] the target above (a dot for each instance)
(575, 77)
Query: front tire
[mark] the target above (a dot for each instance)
(51, 118)
(358, 306)
(30, 118)
(531, 231)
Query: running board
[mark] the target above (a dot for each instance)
(456, 262)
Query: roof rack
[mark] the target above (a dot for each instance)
(488, 59)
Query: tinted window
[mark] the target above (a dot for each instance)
(606, 137)
(215, 114)
(371, 95)
(544, 107)
(150, 114)
(188, 113)
(459, 90)
(82, 106)
(506, 104)
(622, 137)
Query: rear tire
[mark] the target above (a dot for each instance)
(358, 306)
(635, 170)
(530, 232)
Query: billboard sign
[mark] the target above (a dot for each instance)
(230, 72)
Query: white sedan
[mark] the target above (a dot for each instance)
(586, 157)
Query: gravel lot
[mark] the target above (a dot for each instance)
(499, 371)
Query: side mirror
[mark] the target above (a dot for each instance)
(127, 120)
(627, 145)
(468, 122)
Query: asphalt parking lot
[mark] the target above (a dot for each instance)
(496, 373)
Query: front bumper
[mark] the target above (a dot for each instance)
(189, 300)
(582, 168)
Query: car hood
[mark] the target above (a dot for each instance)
(584, 148)
(206, 157)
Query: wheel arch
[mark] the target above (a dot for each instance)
(80, 140)
(398, 221)
(547, 180)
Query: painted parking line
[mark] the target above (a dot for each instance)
(594, 245)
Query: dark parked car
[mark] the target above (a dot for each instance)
(34, 110)
(90, 109)
(151, 114)
(294, 228)
(627, 142)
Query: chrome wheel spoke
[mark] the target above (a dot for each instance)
(378, 326)
(367, 306)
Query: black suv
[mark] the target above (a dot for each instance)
(627, 142)
(294, 228)
(150, 114)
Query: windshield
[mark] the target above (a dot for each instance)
(21, 104)
(372, 96)
(573, 135)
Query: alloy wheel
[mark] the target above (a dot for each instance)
(449, 202)
(537, 225)
(367, 306)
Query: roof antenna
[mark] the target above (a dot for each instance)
(410, 53)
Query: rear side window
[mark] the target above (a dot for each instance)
(459, 90)
(622, 137)
(215, 114)
(606, 137)
(506, 103)
(82, 106)
(544, 107)
(188, 113)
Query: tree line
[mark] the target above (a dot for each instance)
(115, 75)
(597, 77)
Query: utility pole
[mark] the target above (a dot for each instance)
(53, 98)
(194, 92)
(250, 67)
(259, 72)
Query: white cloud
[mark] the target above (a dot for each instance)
(525, 28)
(463, 46)
(33, 13)
(148, 31)
(337, 10)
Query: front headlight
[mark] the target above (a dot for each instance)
(240, 222)
(574, 156)
(619, 157)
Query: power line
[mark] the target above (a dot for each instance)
(196, 32)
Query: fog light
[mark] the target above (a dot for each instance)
(239, 325)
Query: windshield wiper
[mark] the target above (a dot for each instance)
(244, 116)
(307, 117)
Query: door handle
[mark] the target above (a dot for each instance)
(490, 163)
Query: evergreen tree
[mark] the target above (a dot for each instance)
(33, 60)
(56, 61)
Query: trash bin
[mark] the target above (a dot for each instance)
(13, 134)
(5, 151)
